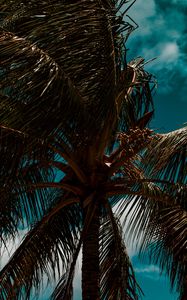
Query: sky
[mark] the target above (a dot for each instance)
(162, 33)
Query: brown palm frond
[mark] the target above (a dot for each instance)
(166, 156)
(80, 43)
(134, 102)
(144, 201)
(37, 97)
(168, 247)
(47, 249)
(19, 152)
(136, 105)
(117, 275)
(157, 224)
(28, 178)
(84, 37)
(64, 289)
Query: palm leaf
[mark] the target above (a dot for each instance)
(26, 188)
(136, 103)
(82, 45)
(169, 245)
(34, 89)
(166, 156)
(84, 37)
(64, 289)
(157, 224)
(19, 155)
(47, 248)
(117, 276)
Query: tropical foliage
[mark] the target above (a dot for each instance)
(77, 154)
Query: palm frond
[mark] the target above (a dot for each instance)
(117, 275)
(168, 248)
(87, 43)
(37, 97)
(166, 156)
(20, 167)
(47, 249)
(64, 289)
(143, 202)
(136, 104)
(157, 224)
(29, 177)
(80, 43)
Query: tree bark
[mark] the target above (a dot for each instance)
(90, 261)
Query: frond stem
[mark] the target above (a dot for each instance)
(80, 174)
(64, 186)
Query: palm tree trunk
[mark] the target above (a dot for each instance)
(90, 261)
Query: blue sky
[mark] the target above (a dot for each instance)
(162, 33)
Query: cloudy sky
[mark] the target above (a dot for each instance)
(162, 33)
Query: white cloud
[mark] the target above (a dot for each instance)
(161, 34)
(148, 269)
(157, 35)
(169, 54)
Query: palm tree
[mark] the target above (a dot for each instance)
(77, 154)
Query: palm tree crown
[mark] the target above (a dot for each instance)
(78, 155)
